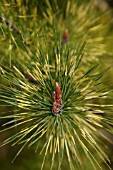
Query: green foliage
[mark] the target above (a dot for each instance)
(40, 58)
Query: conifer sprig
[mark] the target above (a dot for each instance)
(83, 111)
(28, 84)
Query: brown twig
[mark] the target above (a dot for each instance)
(10, 24)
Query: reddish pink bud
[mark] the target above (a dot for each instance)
(57, 100)
(65, 37)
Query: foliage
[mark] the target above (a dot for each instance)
(39, 59)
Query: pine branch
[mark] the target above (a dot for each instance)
(58, 92)
(33, 107)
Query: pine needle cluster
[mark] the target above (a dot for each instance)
(68, 42)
